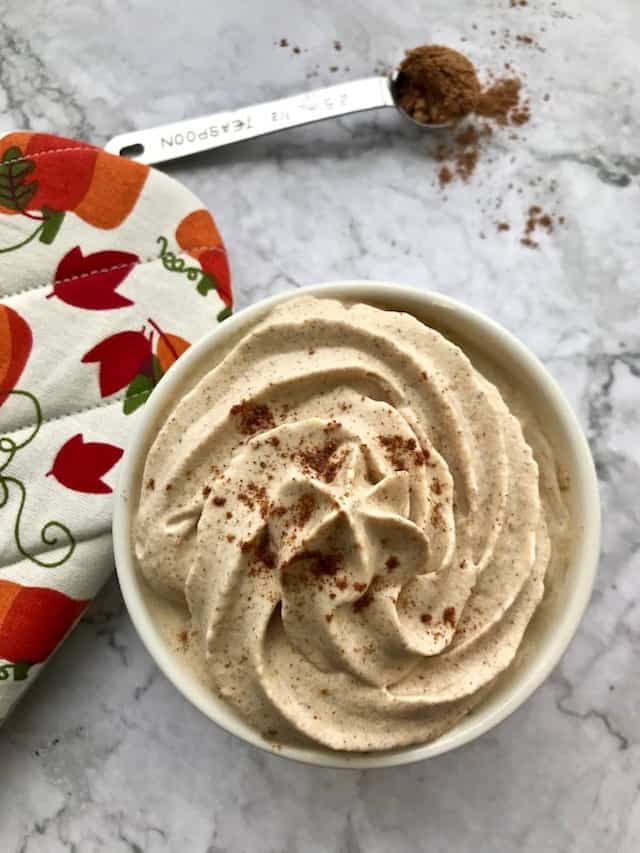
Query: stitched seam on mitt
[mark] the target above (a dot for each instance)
(82, 411)
(180, 254)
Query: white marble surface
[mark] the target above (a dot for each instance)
(103, 754)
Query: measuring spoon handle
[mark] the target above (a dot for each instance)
(190, 136)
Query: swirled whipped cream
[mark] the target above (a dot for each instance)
(353, 518)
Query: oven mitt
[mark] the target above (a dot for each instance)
(108, 271)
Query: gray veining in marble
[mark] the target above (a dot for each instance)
(103, 754)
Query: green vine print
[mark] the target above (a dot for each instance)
(16, 193)
(52, 529)
(174, 263)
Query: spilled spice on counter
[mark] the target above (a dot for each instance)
(436, 85)
(501, 103)
(538, 219)
(462, 151)
(445, 176)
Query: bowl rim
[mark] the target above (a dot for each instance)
(586, 550)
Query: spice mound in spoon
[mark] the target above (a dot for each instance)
(436, 85)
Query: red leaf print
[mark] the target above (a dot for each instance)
(89, 281)
(214, 263)
(80, 465)
(121, 357)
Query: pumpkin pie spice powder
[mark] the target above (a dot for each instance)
(438, 85)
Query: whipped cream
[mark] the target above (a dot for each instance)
(355, 523)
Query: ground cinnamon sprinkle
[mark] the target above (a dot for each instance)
(253, 495)
(436, 516)
(318, 564)
(436, 85)
(253, 417)
(219, 501)
(401, 451)
(363, 602)
(392, 563)
(449, 616)
(262, 556)
(303, 509)
(426, 618)
(319, 460)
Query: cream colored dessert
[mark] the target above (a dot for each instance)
(356, 524)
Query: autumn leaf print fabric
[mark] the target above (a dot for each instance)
(109, 271)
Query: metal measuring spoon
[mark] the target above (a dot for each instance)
(190, 136)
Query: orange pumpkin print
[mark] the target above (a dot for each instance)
(169, 349)
(33, 621)
(15, 346)
(44, 177)
(198, 236)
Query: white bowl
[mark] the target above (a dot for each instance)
(556, 621)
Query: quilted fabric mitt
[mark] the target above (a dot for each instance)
(108, 271)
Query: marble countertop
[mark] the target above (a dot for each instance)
(103, 754)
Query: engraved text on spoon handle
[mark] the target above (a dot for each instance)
(190, 136)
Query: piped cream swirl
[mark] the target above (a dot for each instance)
(353, 518)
